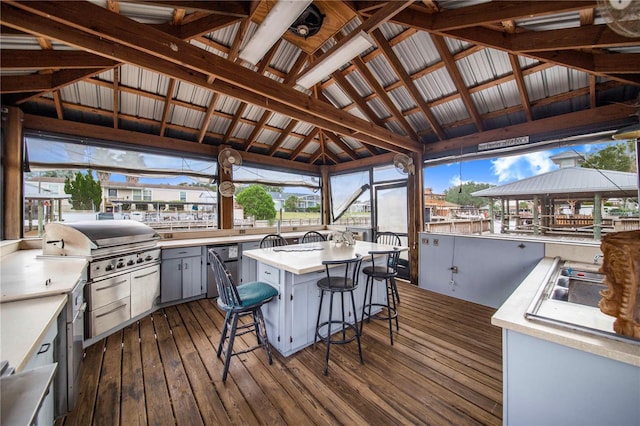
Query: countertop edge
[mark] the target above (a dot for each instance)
(511, 316)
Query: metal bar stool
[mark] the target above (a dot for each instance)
(245, 299)
(345, 282)
(273, 240)
(385, 270)
(391, 239)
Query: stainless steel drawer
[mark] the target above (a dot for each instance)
(108, 317)
(181, 252)
(107, 291)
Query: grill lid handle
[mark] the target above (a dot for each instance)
(54, 242)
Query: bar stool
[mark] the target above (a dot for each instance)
(390, 239)
(245, 299)
(344, 282)
(385, 270)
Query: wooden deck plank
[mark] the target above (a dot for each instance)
(444, 368)
(134, 411)
(91, 366)
(155, 386)
(108, 400)
(209, 403)
(185, 409)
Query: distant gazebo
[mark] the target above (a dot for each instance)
(570, 185)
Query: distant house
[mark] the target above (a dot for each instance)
(304, 202)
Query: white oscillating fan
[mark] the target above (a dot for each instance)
(404, 164)
(229, 157)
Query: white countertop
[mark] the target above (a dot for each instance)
(511, 316)
(230, 239)
(23, 324)
(23, 275)
(303, 258)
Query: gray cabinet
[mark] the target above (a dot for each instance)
(473, 268)
(181, 274)
(45, 356)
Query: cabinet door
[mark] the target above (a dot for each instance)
(191, 277)
(145, 289)
(170, 280)
(43, 356)
(305, 301)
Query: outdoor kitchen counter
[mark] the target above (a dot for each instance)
(23, 325)
(24, 275)
(511, 316)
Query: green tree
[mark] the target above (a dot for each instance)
(86, 193)
(291, 203)
(619, 157)
(256, 202)
(461, 194)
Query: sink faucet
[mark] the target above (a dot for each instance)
(596, 257)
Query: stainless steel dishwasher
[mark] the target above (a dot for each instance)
(229, 254)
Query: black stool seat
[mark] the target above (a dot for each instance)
(243, 300)
(345, 282)
(386, 270)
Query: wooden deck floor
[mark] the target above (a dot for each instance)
(445, 367)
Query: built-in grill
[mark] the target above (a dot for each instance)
(123, 273)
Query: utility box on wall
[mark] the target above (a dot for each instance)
(473, 268)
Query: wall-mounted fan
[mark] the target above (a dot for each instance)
(622, 16)
(227, 158)
(404, 164)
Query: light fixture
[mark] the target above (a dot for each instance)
(275, 24)
(332, 60)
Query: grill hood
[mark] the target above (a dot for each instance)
(97, 238)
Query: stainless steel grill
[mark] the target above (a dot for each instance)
(123, 278)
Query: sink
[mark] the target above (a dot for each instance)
(581, 291)
(580, 273)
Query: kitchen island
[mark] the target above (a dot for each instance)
(294, 271)
(553, 374)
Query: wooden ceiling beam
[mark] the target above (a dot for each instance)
(375, 85)
(408, 84)
(256, 130)
(522, 88)
(167, 105)
(485, 13)
(116, 96)
(43, 82)
(302, 145)
(617, 63)
(584, 37)
(340, 144)
(283, 135)
(207, 117)
(355, 96)
(130, 35)
(545, 126)
(456, 77)
(85, 130)
(239, 9)
(200, 27)
(28, 59)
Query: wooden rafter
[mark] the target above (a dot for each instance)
(167, 105)
(393, 60)
(207, 117)
(384, 97)
(454, 73)
(116, 96)
(340, 144)
(283, 135)
(302, 145)
(140, 45)
(522, 88)
(36, 60)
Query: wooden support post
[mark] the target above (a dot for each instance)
(225, 209)
(416, 215)
(12, 150)
(597, 216)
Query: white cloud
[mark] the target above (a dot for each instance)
(508, 169)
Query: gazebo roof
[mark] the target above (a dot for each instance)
(572, 182)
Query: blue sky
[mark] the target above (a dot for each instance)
(497, 171)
